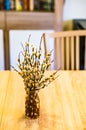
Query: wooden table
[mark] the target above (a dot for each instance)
(62, 103)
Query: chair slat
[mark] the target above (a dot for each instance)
(85, 55)
(77, 52)
(62, 51)
(57, 53)
(72, 53)
(67, 53)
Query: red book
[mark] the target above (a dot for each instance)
(2, 6)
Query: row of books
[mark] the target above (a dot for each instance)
(27, 5)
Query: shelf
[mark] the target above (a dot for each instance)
(29, 20)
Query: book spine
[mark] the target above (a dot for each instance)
(2, 5)
(26, 5)
(46, 5)
(36, 4)
(7, 4)
(52, 5)
(12, 4)
(31, 5)
(19, 5)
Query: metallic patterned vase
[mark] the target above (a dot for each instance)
(32, 105)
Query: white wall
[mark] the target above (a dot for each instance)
(17, 37)
(74, 9)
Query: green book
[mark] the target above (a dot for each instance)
(46, 5)
(37, 5)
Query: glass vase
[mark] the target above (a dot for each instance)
(32, 105)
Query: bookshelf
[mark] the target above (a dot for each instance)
(25, 20)
(30, 20)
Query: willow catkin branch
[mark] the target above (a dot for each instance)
(45, 85)
(22, 46)
(40, 44)
(29, 37)
(32, 69)
(15, 69)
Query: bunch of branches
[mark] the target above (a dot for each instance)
(32, 67)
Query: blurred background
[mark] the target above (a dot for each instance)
(72, 10)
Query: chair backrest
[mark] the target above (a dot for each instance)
(68, 45)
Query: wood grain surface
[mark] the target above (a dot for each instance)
(62, 103)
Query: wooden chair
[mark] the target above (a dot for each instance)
(67, 48)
